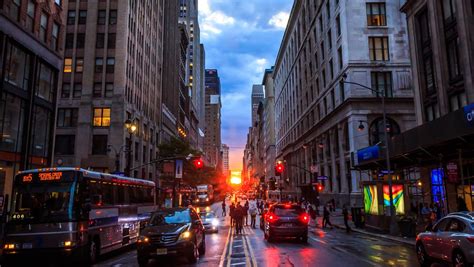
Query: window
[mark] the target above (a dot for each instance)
(80, 40)
(339, 57)
(45, 80)
(67, 65)
(64, 145)
(99, 144)
(322, 52)
(457, 101)
(452, 41)
(66, 90)
(377, 130)
(378, 48)
(113, 17)
(331, 69)
(100, 40)
(82, 17)
(110, 65)
(328, 9)
(79, 65)
(338, 25)
(109, 89)
(323, 73)
(99, 65)
(431, 112)
(101, 17)
(71, 17)
(67, 117)
(111, 40)
(382, 82)
(101, 117)
(77, 90)
(54, 36)
(30, 19)
(449, 11)
(69, 40)
(376, 15)
(342, 92)
(43, 26)
(97, 92)
(426, 54)
(40, 138)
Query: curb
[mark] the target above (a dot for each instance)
(387, 237)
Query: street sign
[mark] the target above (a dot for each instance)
(179, 169)
(323, 177)
(469, 115)
(386, 172)
(452, 170)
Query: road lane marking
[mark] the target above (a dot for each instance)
(224, 254)
(238, 263)
(252, 256)
(318, 240)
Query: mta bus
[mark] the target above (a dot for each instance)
(74, 212)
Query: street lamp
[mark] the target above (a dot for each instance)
(131, 128)
(382, 94)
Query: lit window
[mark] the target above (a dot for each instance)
(79, 64)
(378, 48)
(67, 65)
(101, 117)
(376, 14)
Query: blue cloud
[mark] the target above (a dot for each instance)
(241, 39)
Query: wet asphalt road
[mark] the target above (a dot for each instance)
(324, 248)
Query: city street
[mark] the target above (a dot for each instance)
(328, 247)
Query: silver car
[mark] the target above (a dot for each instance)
(450, 240)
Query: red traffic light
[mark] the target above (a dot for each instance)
(198, 163)
(279, 168)
(320, 187)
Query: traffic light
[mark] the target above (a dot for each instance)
(198, 163)
(320, 187)
(279, 168)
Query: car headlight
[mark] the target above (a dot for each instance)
(143, 239)
(215, 222)
(185, 235)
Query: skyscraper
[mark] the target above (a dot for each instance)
(112, 73)
(225, 159)
(257, 97)
(212, 130)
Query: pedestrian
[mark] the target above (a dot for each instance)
(231, 214)
(253, 215)
(238, 217)
(345, 214)
(439, 211)
(326, 217)
(425, 213)
(246, 212)
(223, 208)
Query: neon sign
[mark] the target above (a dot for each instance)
(27, 178)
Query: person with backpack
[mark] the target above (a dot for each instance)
(253, 215)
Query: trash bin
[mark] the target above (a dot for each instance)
(356, 213)
(407, 227)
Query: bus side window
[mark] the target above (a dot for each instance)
(121, 194)
(141, 194)
(126, 194)
(107, 194)
(148, 196)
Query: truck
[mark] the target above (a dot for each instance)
(204, 194)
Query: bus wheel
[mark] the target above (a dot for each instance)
(94, 251)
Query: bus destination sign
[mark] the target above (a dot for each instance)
(42, 177)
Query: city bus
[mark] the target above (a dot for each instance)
(75, 213)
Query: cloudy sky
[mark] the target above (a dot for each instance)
(241, 40)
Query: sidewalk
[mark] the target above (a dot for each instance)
(337, 221)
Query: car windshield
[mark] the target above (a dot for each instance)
(288, 211)
(43, 203)
(170, 217)
(207, 215)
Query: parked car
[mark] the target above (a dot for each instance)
(210, 221)
(450, 240)
(262, 218)
(286, 221)
(174, 231)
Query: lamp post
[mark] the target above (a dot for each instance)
(117, 156)
(131, 128)
(393, 226)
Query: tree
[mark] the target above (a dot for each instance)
(176, 148)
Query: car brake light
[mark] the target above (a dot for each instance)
(271, 217)
(471, 239)
(287, 206)
(304, 218)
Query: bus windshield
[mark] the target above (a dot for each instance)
(43, 203)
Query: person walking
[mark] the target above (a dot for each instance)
(238, 217)
(223, 208)
(253, 215)
(245, 210)
(345, 214)
(231, 214)
(326, 217)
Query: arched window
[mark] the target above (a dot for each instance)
(377, 130)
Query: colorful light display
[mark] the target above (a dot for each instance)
(371, 202)
(398, 200)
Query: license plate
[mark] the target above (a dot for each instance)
(27, 246)
(161, 251)
(287, 225)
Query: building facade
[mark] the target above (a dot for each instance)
(269, 127)
(322, 119)
(212, 130)
(257, 97)
(31, 53)
(225, 159)
(438, 151)
(112, 73)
